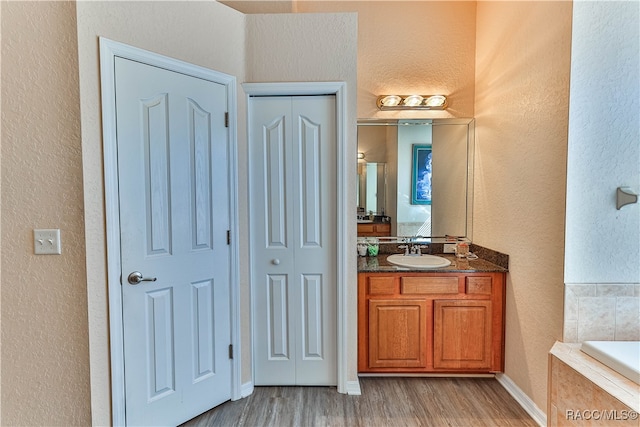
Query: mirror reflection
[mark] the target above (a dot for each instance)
(372, 187)
(416, 175)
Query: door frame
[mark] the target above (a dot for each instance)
(109, 50)
(339, 89)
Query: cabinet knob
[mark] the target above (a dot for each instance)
(275, 261)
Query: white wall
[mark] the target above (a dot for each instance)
(602, 243)
(602, 267)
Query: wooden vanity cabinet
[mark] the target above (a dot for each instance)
(430, 322)
(374, 229)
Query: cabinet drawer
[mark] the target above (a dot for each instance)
(478, 285)
(374, 229)
(429, 285)
(381, 286)
(366, 228)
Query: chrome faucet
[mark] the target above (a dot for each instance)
(419, 249)
(413, 250)
(406, 249)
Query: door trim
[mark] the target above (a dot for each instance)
(109, 50)
(339, 89)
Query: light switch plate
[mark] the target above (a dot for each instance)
(47, 241)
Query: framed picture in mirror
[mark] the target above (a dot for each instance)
(421, 174)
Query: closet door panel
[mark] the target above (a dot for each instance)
(271, 230)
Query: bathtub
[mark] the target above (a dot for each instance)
(580, 384)
(621, 356)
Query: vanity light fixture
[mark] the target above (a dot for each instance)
(412, 102)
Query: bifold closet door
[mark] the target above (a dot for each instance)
(292, 144)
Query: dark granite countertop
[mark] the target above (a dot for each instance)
(380, 264)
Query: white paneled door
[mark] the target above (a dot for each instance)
(174, 216)
(293, 239)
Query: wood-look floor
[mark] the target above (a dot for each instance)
(385, 402)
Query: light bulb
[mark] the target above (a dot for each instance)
(413, 100)
(391, 100)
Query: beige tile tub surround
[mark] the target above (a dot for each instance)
(579, 386)
(605, 312)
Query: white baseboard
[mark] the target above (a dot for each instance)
(527, 404)
(353, 388)
(246, 389)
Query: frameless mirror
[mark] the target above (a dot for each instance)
(419, 173)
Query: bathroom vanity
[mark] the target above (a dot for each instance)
(444, 319)
(447, 320)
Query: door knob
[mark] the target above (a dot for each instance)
(136, 277)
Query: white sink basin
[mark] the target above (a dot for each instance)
(418, 261)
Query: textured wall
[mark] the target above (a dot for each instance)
(204, 33)
(211, 35)
(261, 6)
(45, 355)
(289, 48)
(522, 88)
(520, 182)
(602, 243)
(406, 47)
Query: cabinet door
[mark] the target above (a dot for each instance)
(462, 334)
(398, 333)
